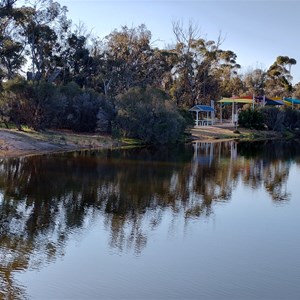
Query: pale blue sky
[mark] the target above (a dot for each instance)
(257, 31)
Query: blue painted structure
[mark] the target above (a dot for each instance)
(208, 110)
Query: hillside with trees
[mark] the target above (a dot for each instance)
(56, 75)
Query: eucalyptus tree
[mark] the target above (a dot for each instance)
(207, 59)
(255, 81)
(11, 57)
(44, 26)
(296, 92)
(162, 63)
(279, 77)
(6, 7)
(231, 86)
(126, 59)
(226, 71)
(183, 74)
(217, 72)
(202, 68)
(76, 60)
(11, 48)
(103, 69)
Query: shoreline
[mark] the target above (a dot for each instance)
(14, 143)
(227, 131)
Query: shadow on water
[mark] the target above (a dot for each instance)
(44, 199)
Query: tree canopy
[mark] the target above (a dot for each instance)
(53, 74)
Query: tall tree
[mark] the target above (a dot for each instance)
(76, 60)
(11, 49)
(44, 25)
(255, 81)
(202, 67)
(127, 58)
(296, 92)
(279, 77)
(184, 72)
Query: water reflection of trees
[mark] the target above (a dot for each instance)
(268, 165)
(45, 198)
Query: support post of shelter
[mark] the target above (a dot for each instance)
(212, 104)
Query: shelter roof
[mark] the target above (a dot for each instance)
(199, 107)
(270, 101)
(236, 100)
(291, 100)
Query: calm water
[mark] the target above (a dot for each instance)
(202, 221)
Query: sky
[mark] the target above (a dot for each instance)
(256, 30)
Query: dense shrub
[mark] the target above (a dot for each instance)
(188, 117)
(147, 114)
(251, 118)
(281, 119)
(291, 119)
(42, 105)
(273, 118)
(28, 103)
(86, 110)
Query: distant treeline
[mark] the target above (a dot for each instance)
(55, 75)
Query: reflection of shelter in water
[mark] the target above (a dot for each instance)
(206, 152)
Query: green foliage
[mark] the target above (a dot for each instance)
(281, 119)
(252, 119)
(86, 110)
(273, 118)
(292, 119)
(72, 78)
(45, 105)
(279, 77)
(147, 114)
(187, 116)
(82, 111)
(202, 70)
(35, 105)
